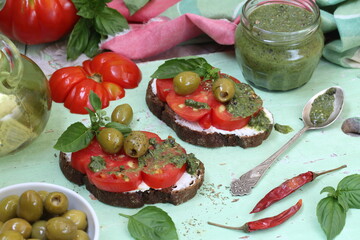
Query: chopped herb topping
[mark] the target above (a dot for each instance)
(283, 128)
(97, 163)
(260, 122)
(195, 104)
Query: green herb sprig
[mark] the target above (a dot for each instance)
(331, 211)
(173, 67)
(77, 136)
(96, 22)
(151, 223)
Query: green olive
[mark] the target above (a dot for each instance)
(122, 114)
(111, 140)
(223, 89)
(56, 203)
(19, 225)
(43, 194)
(30, 206)
(38, 230)
(186, 82)
(136, 144)
(8, 206)
(11, 235)
(60, 228)
(81, 235)
(78, 217)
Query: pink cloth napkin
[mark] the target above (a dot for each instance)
(160, 34)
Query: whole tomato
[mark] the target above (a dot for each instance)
(107, 74)
(37, 21)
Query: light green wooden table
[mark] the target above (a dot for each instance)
(315, 150)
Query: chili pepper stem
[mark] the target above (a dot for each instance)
(242, 228)
(328, 171)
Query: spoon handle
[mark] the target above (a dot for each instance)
(243, 185)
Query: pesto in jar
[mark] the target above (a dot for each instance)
(278, 45)
(322, 107)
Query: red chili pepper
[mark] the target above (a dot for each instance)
(288, 187)
(266, 223)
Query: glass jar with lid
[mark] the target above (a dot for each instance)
(279, 43)
(25, 100)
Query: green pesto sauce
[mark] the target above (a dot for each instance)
(285, 129)
(322, 107)
(281, 18)
(168, 151)
(245, 101)
(194, 104)
(261, 122)
(97, 163)
(278, 67)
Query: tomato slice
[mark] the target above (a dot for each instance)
(163, 87)
(164, 177)
(224, 120)
(205, 121)
(81, 159)
(120, 175)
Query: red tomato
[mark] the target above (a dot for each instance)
(81, 159)
(120, 175)
(164, 177)
(37, 21)
(107, 75)
(222, 119)
(205, 121)
(163, 87)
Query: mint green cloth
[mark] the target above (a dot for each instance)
(337, 15)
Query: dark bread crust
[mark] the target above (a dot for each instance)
(134, 199)
(211, 140)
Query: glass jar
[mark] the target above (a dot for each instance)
(25, 100)
(279, 43)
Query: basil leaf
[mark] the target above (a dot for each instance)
(79, 38)
(110, 22)
(173, 67)
(120, 127)
(134, 5)
(97, 163)
(92, 48)
(75, 138)
(330, 190)
(89, 8)
(95, 101)
(349, 189)
(151, 223)
(331, 216)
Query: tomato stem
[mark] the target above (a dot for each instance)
(97, 77)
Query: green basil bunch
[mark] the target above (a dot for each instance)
(331, 211)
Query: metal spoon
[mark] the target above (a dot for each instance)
(243, 185)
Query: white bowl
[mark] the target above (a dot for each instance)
(75, 201)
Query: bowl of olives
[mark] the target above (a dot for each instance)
(37, 210)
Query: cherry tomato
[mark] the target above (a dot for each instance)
(164, 177)
(37, 21)
(222, 119)
(121, 175)
(163, 87)
(107, 75)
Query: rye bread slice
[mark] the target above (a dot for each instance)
(134, 199)
(211, 140)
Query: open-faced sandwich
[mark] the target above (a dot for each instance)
(126, 168)
(206, 107)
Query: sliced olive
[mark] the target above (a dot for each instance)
(56, 203)
(38, 230)
(136, 144)
(60, 228)
(78, 217)
(111, 140)
(30, 206)
(19, 225)
(81, 235)
(223, 89)
(186, 82)
(11, 235)
(8, 206)
(122, 114)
